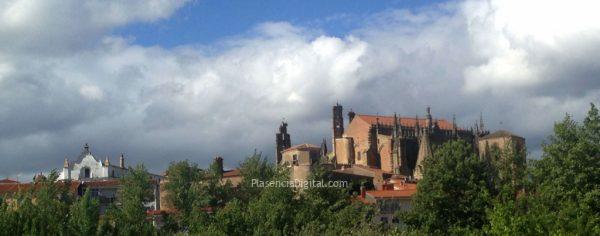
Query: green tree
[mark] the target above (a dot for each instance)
(84, 215)
(182, 178)
(42, 210)
(130, 217)
(254, 167)
(454, 193)
(563, 192)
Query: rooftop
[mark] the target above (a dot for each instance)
(304, 146)
(231, 173)
(7, 181)
(404, 121)
(407, 192)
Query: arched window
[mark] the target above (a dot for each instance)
(86, 173)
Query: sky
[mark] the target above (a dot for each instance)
(162, 81)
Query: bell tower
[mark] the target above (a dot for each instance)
(338, 121)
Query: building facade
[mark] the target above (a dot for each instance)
(395, 144)
(377, 147)
(103, 179)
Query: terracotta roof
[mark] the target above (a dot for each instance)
(407, 193)
(17, 187)
(13, 188)
(231, 173)
(500, 134)
(404, 121)
(7, 181)
(303, 146)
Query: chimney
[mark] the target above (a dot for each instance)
(122, 161)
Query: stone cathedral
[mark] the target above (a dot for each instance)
(392, 145)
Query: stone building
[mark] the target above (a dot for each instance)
(301, 160)
(394, 144)
(501, 140)
(397, 197)
(378, 147)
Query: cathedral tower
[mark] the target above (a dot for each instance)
(282, 141)
(338, 121)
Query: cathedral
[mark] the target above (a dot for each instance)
(389, 145)
(394, 144)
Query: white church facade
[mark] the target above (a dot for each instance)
(88, 167)
(103, 179)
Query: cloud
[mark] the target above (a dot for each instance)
(61, 26)
(158, 105)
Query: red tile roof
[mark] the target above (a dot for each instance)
(404, 121)
(7, 181)
(406, 190)
(17, 187)
(407, 193)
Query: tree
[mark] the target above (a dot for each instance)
(254, 167)
(454, 192)
(563, 196)
(182, 195)
(136, 189)
(42, 210)
(84, 215)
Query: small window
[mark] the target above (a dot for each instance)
(295, 159)
(358, 155)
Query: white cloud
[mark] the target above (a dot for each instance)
(60, 26)
(518, 41)
(159, 105)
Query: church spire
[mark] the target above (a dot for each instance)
(66, 163)
(282, 141)
(429, 118)
(324, 149)
(396, 126)
(106, 161)
(417, 126)
(338, 121)
(122, 161)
